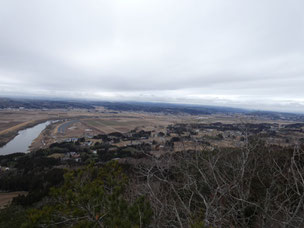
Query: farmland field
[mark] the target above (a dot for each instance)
(77, 123)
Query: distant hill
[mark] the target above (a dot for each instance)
(40, 104)
(166, 108)
(193, 109)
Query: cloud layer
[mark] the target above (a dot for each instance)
(237, 53)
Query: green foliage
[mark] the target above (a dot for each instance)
(91, 197)
(12, 217)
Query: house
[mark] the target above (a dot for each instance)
(89, 143)
(71, 156)
(3, 168)
(71, 140)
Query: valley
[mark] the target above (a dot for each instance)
(170, 157)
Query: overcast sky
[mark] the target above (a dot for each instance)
(239, 53)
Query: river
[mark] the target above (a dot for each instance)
(24, 139)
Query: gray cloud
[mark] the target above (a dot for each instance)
(239, 53)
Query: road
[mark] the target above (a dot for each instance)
(62, 128)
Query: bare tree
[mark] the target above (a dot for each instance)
(257, 185)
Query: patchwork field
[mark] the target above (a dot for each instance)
(101, 123)
(75, 123)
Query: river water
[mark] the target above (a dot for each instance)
(24, 139)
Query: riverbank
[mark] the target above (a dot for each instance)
(22, 142)
(13, 121)
(9, 134)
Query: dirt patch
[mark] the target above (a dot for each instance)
(7, 197)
